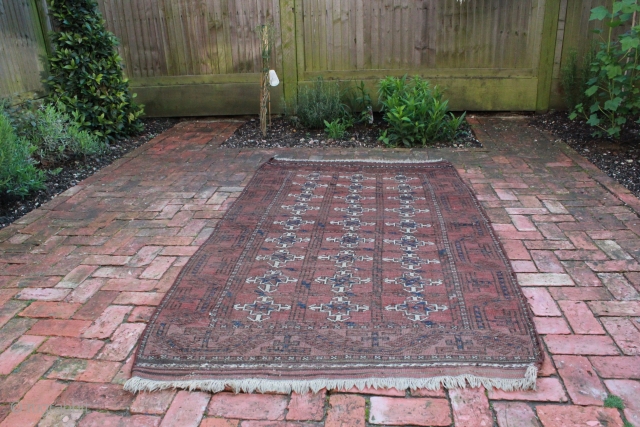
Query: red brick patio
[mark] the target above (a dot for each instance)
(80, 276)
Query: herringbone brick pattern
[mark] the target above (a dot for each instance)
(80, 276)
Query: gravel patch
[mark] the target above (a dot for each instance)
(618, 159)
(283, 133)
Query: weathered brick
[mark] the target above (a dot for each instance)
(551, 325)
(575, 416)
(582, 383)
(14, 386)
(157, 268)
(623, 367)
(131, 285)
(61, 417)
(542, 304)
(60, 328)
(96, 371)
(624, 333)
(515, 414)
(186, 410)
(96, 396)
(345, 410)
(34, 404)
(141, 314)
(581, 273)
(13, 330)
(415, 411)
(139, 298)
(471, 407)
(76, 276)
(108, 321)
(580, 317)
(629, 391)
(544, 279)
(72, 347)
(306, 407)
(122, 342)
(43, 294)
(615, 308)
(152, 403)
(58, 310)
(579, 294)
(17, 352)
(619, 287)
(96, 305)
(101, 419)
(84, 291)
(547, 390)
(596, 345)
(248, 406)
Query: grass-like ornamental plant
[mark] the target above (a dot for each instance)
(18, 175)
(416, 112)
(86, 71)
(613, 92)
(319, 102)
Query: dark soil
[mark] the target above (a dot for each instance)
(619, 159)
(75, 170)
(283, 133)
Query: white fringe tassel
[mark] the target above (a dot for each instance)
(288, 159)
(137, 384)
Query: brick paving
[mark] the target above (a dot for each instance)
(80, 276)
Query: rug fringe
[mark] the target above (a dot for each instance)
(528, 382)
(289, 159)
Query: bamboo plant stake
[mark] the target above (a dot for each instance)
(265, 96)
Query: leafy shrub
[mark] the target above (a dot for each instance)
(416, 113)
(52, 133)
(574, 76)
(319, 102)
(86, 71)
(18, 175)
(613, 93)
(337, 128)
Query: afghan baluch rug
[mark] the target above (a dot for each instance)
(341, 274)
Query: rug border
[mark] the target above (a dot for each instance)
(527, 382)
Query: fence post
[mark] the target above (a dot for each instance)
(289, 59)
(547, 53)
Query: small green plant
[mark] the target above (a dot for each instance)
(613, 93)
(337, 128)
(86, 72)
(416, 113)
(613, 401)
(574, 76)
(319, 102)
(18, 175)
(360, 101)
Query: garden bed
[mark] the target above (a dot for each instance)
(75, 170)
(284, 134)
(618, 159)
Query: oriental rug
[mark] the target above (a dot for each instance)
(344, 274)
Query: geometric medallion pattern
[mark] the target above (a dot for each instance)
(345, 270)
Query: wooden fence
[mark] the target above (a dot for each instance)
(201, 57)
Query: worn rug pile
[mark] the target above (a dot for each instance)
(344, 274)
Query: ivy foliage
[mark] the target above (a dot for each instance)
(86, 72)
(613, 91)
